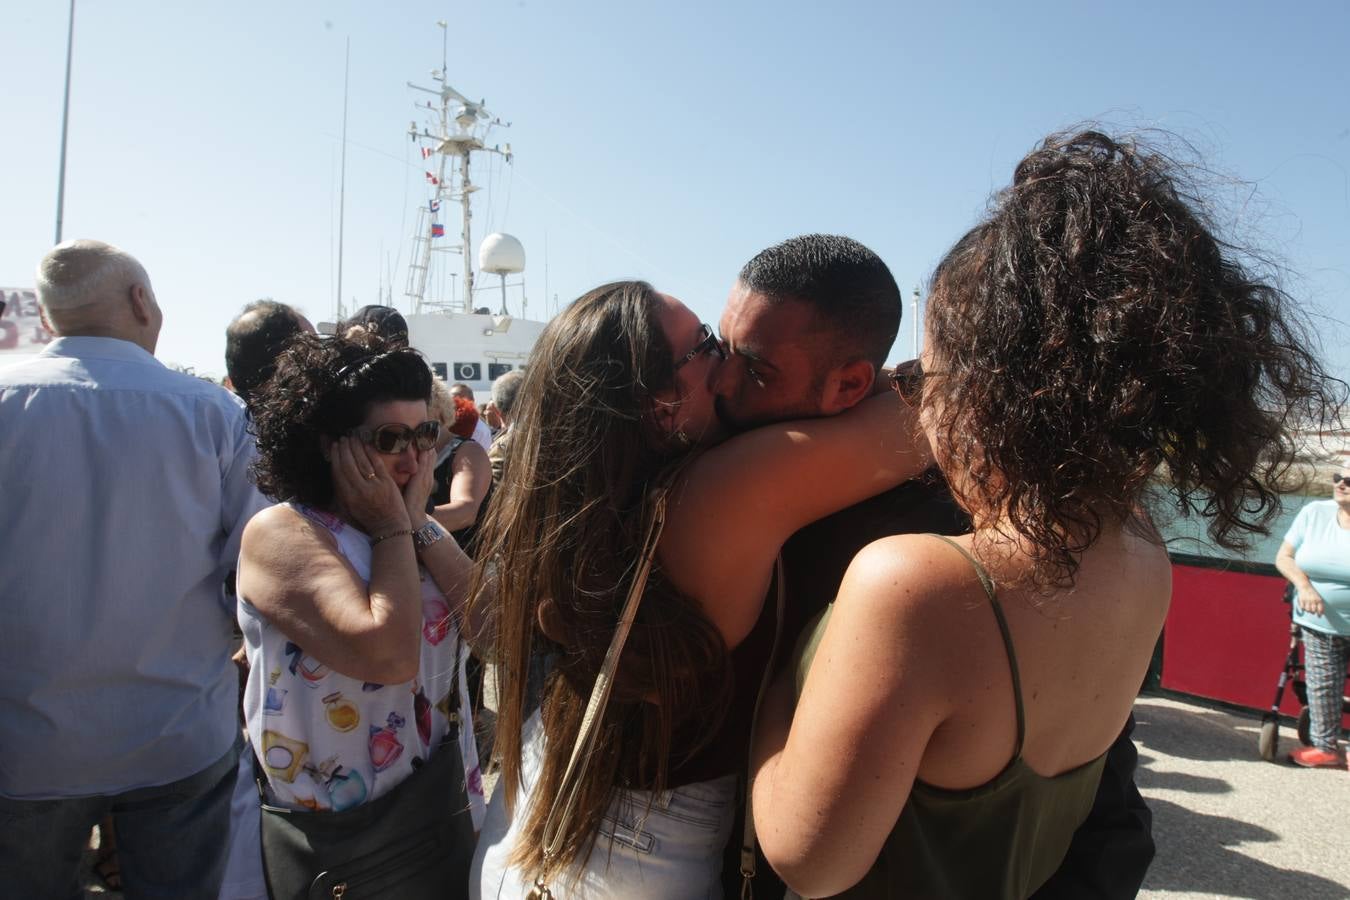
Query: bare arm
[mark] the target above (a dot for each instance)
(292, 573)
(471, 475)
(736, 504)
(1308, 597)
(875, 695)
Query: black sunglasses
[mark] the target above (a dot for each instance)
(1337, 479)
(395, 438)
(707, 343)
(907, 381)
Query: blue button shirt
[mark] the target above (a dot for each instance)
(1322, 551)
(124, 490)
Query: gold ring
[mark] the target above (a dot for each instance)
(370, 476)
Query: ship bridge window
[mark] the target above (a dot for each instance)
(467, 371)
(442, 370)
(497, 370)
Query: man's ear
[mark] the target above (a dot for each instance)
(141, 304)
(848, 386)
(46, 322)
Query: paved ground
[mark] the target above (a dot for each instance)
(1227, 824)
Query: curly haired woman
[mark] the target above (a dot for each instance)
(349, 599)
(955, 703)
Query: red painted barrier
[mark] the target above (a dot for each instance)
(1226, 637)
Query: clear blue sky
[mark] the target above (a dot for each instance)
(666, 141)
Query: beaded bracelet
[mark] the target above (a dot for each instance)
(392, 534)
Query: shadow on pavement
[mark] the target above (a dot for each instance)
(1179, 781)
(1172, 732)
(1197, 857)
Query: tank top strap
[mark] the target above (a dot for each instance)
(988, 584)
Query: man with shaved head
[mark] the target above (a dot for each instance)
(123, 494)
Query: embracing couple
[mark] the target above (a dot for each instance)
(963, 583)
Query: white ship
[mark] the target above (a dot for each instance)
(480, 330)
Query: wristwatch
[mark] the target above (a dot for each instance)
(427, 535)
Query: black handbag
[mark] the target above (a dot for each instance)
(414, 843)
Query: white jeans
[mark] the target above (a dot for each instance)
(674, 850)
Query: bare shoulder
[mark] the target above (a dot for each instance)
(282, 539)
(910, 580)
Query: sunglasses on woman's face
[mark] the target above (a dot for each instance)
(907, 381)
(1337, 479)
(395, 438)
(708, 342)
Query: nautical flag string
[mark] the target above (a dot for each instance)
(437, 229)
(433, 179)
(435, 205)
(426, 152)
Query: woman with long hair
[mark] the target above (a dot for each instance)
(1088, 342)
(349, 600)
(618, 391)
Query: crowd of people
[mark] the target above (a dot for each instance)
(764, 614)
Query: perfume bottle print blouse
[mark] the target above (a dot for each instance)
(330, 742)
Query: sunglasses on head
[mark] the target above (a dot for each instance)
(395, 438)
(907, 381)
(1337, 479)
(708, 342)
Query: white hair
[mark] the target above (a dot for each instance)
(80, 273)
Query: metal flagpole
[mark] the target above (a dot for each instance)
(65, 121)
(342, 184)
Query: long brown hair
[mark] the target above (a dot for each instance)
(566, 526)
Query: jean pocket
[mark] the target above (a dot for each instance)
(627, 835)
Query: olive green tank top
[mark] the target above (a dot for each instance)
(1003, 839)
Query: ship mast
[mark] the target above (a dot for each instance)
(461, 128)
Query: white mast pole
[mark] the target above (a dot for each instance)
(916, 321)
(342, 184)
(65, 121)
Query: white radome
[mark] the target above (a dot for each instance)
(501, 254)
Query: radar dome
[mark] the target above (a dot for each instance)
(501, 254)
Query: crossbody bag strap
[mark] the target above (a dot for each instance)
(564, 802)
(748, 835)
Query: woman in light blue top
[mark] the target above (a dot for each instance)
(1315, 557)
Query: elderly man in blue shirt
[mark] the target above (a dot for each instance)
(124, 490)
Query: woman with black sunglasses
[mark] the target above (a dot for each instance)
(349, 600)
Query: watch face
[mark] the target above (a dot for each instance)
(428, 534)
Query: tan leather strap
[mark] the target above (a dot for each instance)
(748, 835)
(564, 802)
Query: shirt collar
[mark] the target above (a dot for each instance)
(100, 348)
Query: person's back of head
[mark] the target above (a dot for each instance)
(255, 339)
(460, 389)
(505, 391)
(384, 321)
(1093, 332)
(92, 289)
(851, 290)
